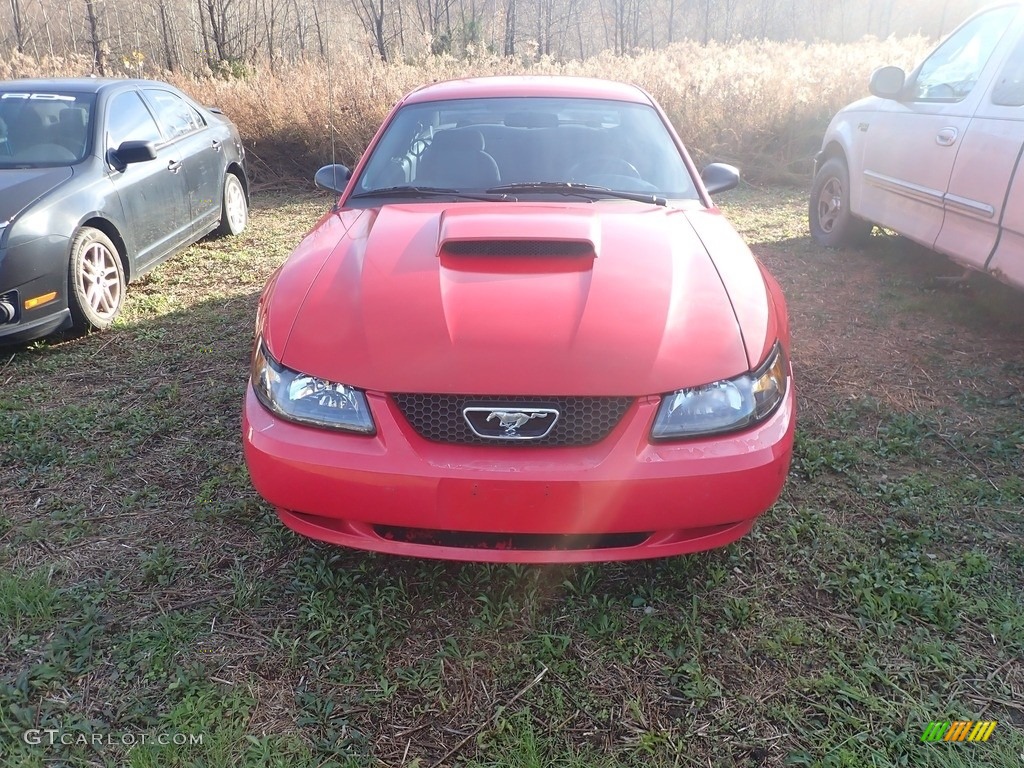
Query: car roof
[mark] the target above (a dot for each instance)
(74, 84)
(529, 85)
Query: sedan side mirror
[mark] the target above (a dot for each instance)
(135, 152)
(333, 177)
(719, 177)
(887, 83)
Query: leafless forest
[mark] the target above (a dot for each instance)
(230, 35)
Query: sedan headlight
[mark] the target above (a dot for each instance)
(306, 399)
(723, 406)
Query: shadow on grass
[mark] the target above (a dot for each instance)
(892, 274)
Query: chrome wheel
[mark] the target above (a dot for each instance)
(234, 214)
(96, 280)
(101, 281)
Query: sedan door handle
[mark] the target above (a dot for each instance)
(947, 137)
(216, 146)
(174, 166)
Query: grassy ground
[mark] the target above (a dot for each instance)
(145, 589)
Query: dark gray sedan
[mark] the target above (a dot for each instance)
(100, 181)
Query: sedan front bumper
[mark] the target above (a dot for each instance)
(623, 498)
(29, 330)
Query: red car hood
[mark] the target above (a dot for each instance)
(481, 298)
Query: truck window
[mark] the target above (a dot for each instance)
(1008, 90)
(951, 71)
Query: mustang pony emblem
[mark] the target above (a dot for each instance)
(513, 424)
(511, 421)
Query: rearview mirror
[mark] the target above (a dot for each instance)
(333, 177)
(887, 83)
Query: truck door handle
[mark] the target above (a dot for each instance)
(946, 137)
(216, 146)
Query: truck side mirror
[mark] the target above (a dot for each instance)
(887, 83)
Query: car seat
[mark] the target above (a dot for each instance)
(456, 159)
(72, 130)
(25, 130)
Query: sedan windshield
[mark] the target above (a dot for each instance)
(528, 147)
(43, 129)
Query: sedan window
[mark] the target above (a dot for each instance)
(128, 119)
(176, 116)
(953, 69)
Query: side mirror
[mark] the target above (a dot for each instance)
(135, 152)
(719, 177)
(887, 83)
(333, 177)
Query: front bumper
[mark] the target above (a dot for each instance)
(58, 319)
(34, 269)
(621, 499)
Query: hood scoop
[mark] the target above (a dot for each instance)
(519, 232)
(519, 248)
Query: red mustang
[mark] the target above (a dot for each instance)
(524, 334)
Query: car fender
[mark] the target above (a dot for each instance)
(101, 209)
(845, 138)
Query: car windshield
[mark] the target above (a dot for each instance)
(527, 147)
(40, 129)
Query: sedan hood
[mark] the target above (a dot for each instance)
(478, 298)
(20, 187)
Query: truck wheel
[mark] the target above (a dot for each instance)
(832, 223)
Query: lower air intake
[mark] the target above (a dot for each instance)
(535, 542)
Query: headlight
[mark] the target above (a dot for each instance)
(723, 406)
(307, 399)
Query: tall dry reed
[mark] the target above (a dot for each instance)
(761, 105)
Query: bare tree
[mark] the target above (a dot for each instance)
(99, 47)
(510, 27)
(19, 26)
(371, 14)
(169, 46)
(319, 33)
(270, 28)
(216, 16)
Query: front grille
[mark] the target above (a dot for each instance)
(581, 420)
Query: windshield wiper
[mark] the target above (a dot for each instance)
(410, 191)
(588, 191)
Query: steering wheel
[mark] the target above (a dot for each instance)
(602, 165)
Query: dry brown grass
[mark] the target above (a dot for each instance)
(762, 105)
